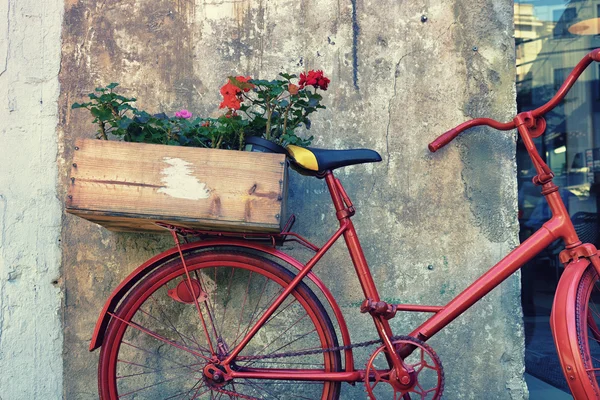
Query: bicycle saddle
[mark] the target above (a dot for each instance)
(326, 160)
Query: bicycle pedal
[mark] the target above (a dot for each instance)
(183, 294)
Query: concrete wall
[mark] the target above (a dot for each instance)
(396, 84)
(30, 212)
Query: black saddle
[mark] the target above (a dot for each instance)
(320, 160)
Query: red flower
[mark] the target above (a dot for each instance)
(314, 78)
(232, 95)
(231, 101)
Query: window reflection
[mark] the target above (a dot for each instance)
(551, 37)
(547, 49)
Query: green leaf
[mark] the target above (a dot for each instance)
(112, 85)
(288, 76)
(125, 122)
(102, 114)
(240, 85)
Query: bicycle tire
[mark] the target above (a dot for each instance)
(587, 319)
(134, 363)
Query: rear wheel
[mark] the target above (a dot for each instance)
(157, 347)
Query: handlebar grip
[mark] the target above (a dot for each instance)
(444, 139)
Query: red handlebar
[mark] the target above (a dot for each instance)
(454, 132)
(447, 137)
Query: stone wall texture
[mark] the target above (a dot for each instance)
(429, 223)
(30, 213)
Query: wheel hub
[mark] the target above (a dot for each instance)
(215, 375)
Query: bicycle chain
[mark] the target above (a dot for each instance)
(328, 350)
(303, 353)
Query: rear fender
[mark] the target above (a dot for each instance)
(564, 330)
(146, 268)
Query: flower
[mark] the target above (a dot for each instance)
(293, 89)
(273, 109)
(314, 78)
(183, 114)
(232, 92)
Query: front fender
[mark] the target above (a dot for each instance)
(564, 330)
(146, 268)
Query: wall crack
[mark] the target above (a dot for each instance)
(387, 130)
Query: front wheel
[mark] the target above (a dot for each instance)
(587, 321)
(160, 345)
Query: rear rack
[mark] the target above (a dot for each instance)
(272, 239)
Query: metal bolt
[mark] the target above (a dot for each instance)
(70, 197)
(280, 181)
(277, 216)
(282, 163)
(474, 48)
(430, 267)
(76, 148)
(72, 180)
(423, 18)
(279, 198)
(571, 377)
(569, 368)
(74, 165)
(217, 377)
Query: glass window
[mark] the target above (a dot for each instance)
(551, 36)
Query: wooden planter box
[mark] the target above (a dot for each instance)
(128, 186)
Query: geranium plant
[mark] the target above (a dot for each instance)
(273, 110)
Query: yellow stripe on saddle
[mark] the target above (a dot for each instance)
(303, 157)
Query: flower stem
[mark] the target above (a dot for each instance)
(102, 130)
(285, 117)
(269, 112)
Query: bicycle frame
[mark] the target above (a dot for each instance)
(559, 226)
(529, 125)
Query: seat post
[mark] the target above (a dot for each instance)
(342, 211)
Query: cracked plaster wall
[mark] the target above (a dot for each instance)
(397, 83)
(30, 212)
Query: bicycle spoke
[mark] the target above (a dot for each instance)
(207, 305)
(148, 387)
(276, 350)
(151, 371)
(257, 316)
(254, 313)
(156, 355)
(244, 303)
(228, 296)
(158, 337)
(283, 333)
(255, 386)
(170, 323)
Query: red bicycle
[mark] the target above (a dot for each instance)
(230, 316)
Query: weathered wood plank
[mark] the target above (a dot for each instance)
(128, 186)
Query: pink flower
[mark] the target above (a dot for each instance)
(183, 114)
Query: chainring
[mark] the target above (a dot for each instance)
(427, 376)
